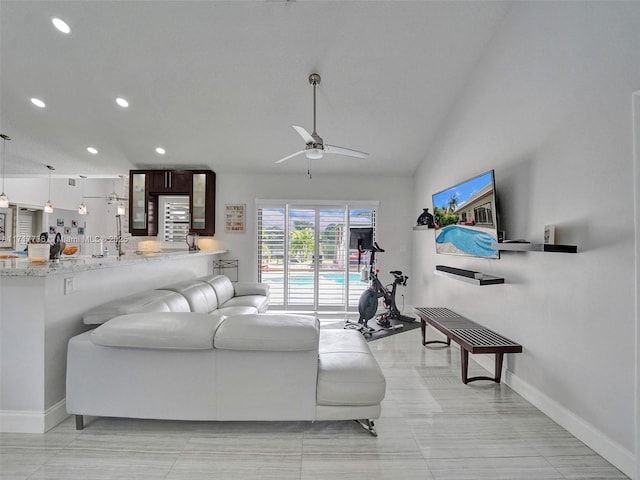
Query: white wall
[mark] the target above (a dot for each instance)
(549, 108)
(395, 215)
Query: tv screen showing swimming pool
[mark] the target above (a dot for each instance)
(466, 218)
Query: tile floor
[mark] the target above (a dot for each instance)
(432, 427)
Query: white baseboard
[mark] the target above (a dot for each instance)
(613, 452)
(16, 421)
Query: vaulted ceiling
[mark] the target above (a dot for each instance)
(220, 84)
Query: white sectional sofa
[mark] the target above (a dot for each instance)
(160, 357)
(213, 293)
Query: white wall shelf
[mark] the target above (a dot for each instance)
(423, 227)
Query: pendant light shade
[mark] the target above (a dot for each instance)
(82, 208)
(4, 199)
(48, 207)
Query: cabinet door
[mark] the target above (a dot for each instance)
(138, 221)
(203, 194)
(158, 181)
(179, 181)
(169, 181)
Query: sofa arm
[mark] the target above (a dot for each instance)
(248, 288)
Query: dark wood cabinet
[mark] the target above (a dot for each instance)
(146, 185)
(202, 202)
(169, 181)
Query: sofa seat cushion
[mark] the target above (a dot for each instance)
(166, 331)
(199, 294)
(268, 332)
(348, 373)
(147, 301)
(259, 302)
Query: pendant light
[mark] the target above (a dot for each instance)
(48, 207)
(4, 200)
(121, 210)
(82, 208)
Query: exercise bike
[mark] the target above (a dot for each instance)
(368, 303)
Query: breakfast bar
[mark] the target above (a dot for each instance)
(41, 307)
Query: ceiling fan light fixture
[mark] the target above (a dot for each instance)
(314, 153)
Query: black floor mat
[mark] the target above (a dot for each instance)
(378, 331)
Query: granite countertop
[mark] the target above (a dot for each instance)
(21, 267)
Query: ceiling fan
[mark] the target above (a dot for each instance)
(315, 147)
(111, 198)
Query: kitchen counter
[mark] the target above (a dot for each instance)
(21, 267)
(41, 308)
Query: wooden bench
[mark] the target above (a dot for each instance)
(471, 336)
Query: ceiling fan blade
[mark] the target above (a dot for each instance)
(306, 136)
(345, 151)
(290, 156)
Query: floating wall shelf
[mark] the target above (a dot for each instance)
(534, 247)
(469, 276)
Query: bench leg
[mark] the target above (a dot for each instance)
(464, 363)
(464, 360)
(498, 370)
(423, 327)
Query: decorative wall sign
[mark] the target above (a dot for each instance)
(6, 228)
(234, 218)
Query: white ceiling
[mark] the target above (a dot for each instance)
(219, 84)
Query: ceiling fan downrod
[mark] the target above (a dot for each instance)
(314, 79)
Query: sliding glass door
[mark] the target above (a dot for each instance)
(303, 253)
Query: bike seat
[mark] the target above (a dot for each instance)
(396, 272)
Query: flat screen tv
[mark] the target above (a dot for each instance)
(466, 218)
(361, 238)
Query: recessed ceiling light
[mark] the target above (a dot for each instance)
(61, 25)
(160, 150)
(38, 103)
(122, 102)
(92, 150)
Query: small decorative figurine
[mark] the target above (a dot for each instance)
(426, 218)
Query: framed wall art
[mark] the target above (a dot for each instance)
(234, 217)
(6, 228)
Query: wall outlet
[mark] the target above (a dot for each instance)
(68, 285)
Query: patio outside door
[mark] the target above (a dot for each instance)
(304, 256)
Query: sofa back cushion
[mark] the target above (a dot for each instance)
(164, 330)
(222, 286)
(268, 332)
(199, 294)
(147, 301)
